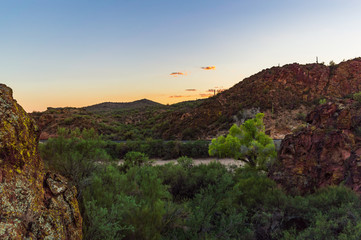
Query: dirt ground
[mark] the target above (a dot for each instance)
(224, 161)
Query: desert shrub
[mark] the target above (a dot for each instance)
(357, 97)
(212, 216)
(185, 162)
(132, 159)
(256, 191)
(177, 179)
(155, 148)
(322, 101)
(68, 121)
(301, 116)
(185, 180)
(190, 133)
(112, 148)
(74, 154)
(194, 149)
(128, 204)
(159, 148)
(101, 222)
(171, 150)
(330, 213)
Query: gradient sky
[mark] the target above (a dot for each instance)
(80, 52)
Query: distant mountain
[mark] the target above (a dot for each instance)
(111, 106)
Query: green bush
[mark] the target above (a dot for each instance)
(159, 148)
(357, 97)
(301, 116)
(185, 162)
(132, 159)
(74, 154)
(322, 101)
(128, 204)
(248, 143)
(184, 201)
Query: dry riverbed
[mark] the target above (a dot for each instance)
(224, 161)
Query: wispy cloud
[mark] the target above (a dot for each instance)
(176, 74)
(209, 68)
(191, 90)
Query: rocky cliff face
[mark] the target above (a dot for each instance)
(326, 152)
(33, 204)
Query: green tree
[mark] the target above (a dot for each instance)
(248, 143)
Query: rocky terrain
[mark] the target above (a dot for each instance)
(34, 204)
(285, 94)
(325, 152)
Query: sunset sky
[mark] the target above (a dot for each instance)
(81, 52)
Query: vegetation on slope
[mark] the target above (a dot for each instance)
(182, 201)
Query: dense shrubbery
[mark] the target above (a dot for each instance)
(74, 154)
(159, 148)
(183, 201)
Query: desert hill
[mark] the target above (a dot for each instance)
(285, 94)
(113, 106)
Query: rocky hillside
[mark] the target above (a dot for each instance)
(285, 94)
(34, 204)
(325, 152)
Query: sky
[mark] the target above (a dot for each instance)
(58, 53)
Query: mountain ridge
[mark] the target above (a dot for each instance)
(108, 106)
(285, 94)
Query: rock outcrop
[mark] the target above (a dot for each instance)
(33, 204)
(326, 152)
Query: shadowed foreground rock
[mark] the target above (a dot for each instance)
(33, 204)
(326, 152)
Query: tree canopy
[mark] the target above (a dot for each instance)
(248, 143)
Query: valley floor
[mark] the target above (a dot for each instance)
(224, 161)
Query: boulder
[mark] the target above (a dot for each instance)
(34, 204)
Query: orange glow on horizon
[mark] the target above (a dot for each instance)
(163, 99)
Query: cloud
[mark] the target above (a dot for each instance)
(211, 90)
(209, 68)
(176, 74)
(191, 90)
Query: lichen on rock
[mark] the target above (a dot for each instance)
(33, 204)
